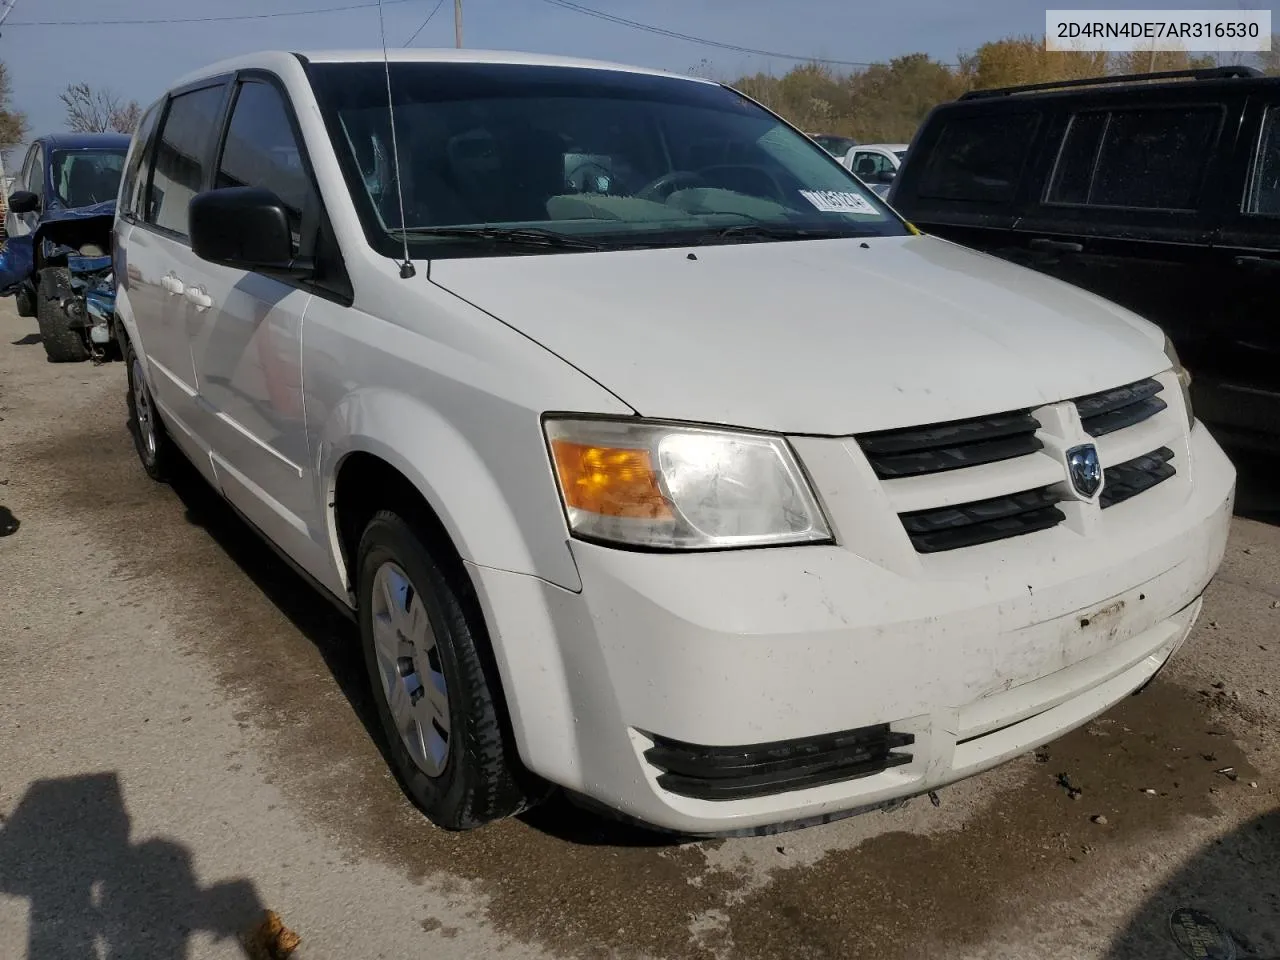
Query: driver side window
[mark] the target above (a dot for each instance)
(35, 172)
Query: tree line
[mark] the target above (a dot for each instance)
(881, 103)
(884, 103)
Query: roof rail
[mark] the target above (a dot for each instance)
(1212, 73)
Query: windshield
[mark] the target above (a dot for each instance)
(82, 178)
(621, 159)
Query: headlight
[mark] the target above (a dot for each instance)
(1184, 379)
(689, 488)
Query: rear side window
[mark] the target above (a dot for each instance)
(1264, 193)
(261, 151)
(979, 158)
(1151, 159)
(180, 157)
(131, 187)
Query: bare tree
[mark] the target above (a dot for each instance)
(13, 123)
(98, 111)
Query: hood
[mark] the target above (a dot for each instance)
(821, 337)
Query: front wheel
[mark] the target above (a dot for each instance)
(438, 698)
(62, 342)
(155, 449)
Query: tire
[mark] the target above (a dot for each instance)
(419, 629)
(25, 301)
(155, 449)
(62, 344)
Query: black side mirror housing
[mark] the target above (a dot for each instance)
(246, 228)
(23, 201)
(886, 176)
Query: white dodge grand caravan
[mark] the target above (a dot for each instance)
(655, 457)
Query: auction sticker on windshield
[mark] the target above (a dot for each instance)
(832, 201)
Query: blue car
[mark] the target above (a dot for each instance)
(56, 261)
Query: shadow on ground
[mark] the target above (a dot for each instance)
(1242, 869)
(66, 849)
(30, 340)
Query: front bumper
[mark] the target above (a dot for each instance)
(969, 660)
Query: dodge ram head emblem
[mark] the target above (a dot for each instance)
(1085, 470)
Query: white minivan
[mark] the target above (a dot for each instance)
(656, 458)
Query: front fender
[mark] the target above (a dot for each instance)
(472, 502)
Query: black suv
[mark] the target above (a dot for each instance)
(1160, 192)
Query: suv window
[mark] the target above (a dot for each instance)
(180, 157)
(868, 163)
(979, 158)
(1151, 158)
(261, 150)
(1265, 192)
(131, 189)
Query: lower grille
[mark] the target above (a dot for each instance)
(737, 773)
(969, 524)
(1126, 480)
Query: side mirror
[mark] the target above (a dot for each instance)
(23, 201)
(886, 176)
(246, 228)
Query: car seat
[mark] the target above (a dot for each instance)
(83, 185)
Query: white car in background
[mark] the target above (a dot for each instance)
(704, 486)
(876, 164)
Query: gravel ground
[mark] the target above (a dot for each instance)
(185, 741)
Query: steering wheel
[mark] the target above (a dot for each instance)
(667, 184)
(588, 176)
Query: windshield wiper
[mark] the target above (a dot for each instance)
(515, 236)
(762, 231)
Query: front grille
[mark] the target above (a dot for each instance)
(737, 773)
(948, 446)
(969, 524)
(1128, 479)
(1112, 410)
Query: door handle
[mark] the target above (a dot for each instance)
(1260, 263)
(1056, 246)
(199, 297)
(172, 284)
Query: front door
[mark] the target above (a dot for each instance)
(159, 256)
(248, 341)
(31, 177)
(1238, 386)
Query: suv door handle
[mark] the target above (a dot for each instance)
(199, 297)
(172, 284)
(1056, 246)
(1261, 263)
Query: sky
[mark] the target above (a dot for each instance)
(139, 61)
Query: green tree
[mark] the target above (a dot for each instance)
(1270, 60)
(1018, 60)
(888, 101)
(1151, 61)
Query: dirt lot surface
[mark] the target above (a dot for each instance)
(185, 741)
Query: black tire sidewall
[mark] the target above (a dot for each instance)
(157, 467)
(389, 538)
(61, 343)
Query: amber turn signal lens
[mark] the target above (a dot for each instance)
(610, 481)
